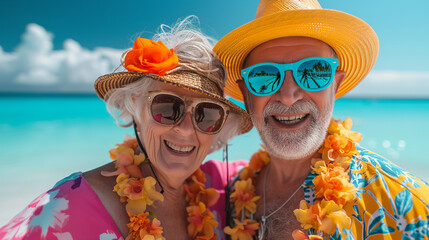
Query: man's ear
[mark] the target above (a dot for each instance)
(339, 78)
(242, 85)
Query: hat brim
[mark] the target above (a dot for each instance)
(111, 81)
(353, 40)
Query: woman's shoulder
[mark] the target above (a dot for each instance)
(70, 210)
(99, 183)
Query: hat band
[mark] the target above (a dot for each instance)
(192, 80)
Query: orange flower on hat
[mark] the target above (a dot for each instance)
(322, 216)
(242, 230)
(333, 183)
(148, 56)
(244, 197)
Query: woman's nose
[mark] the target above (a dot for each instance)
(186, 127)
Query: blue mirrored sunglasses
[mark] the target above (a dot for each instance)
(311, 74)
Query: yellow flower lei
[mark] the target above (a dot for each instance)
(139, 192)
(332, 188)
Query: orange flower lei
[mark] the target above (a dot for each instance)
(332, 188)
(139, 192)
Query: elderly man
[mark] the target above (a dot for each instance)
(312, 180)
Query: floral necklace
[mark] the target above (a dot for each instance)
(139, 192)
(332, 188)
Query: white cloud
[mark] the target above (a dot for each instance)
(34, 66)
(393, 84)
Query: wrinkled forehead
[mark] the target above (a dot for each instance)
(288, 49)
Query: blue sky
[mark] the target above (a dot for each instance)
(62, 46)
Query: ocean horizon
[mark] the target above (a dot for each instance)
(46, 137)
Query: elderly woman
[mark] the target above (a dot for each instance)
(173, 97)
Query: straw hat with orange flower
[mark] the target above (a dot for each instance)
(153, 59)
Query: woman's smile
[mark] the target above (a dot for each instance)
(181, 149)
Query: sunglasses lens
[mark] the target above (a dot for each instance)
(264, 80)
(209, 117)
(167, 109)
(314, 74)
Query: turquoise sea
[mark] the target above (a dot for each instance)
(44, 138)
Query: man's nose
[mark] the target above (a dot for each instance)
(289, 92)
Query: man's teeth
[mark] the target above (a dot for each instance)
(290, 119)
(179, 149)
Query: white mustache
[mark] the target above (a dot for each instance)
(299, 107)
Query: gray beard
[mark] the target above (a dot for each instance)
(293, 145)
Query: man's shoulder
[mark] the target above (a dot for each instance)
(391, 203)
(374, 174)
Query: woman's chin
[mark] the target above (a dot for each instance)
(174, 165)
(177, 173)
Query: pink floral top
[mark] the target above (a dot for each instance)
(72, 210)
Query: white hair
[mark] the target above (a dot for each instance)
(120, 103)
(195, 54)
(194, 49)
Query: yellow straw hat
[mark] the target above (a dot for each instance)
(353, 40)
